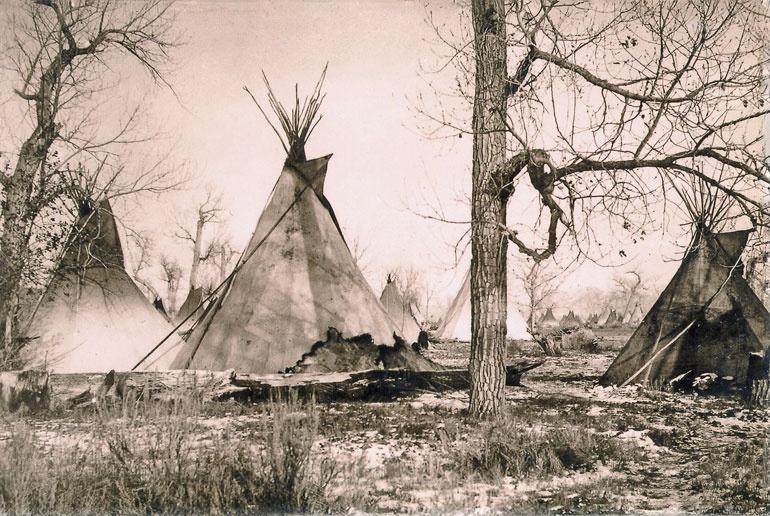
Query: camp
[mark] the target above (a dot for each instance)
(708, 319)
(399, 311)
(296, 278)
(456, 324)
(92, 316)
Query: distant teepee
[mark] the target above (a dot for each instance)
(636, 315)
(296, 277)
(456, 324)
(192, 303)
(399, 311)
(92, 317)
(548, 321)
(570, 320)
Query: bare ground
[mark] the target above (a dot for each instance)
(667, 452)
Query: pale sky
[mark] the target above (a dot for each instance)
(384, 168)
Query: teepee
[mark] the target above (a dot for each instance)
(157, 302)
(399, 311)
(191, 304)
(570, 320)
(548, 321)
(603, 316)
(636, 315)
(92, 317)
(708, 319)
(296, 277)
(456, 324)
(626, 319)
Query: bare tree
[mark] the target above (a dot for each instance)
(630, 287)
(60, 51)
(540, 280)
(605, 100)
(171, 275)
(221, 253)
(209, 211)
(359, 250)
(141, 260)
(415, 290)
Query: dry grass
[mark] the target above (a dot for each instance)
(738, 482)
(151, 460)
(527, 448)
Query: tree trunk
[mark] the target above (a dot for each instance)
(488, 213)
(196, 261)
(15, 213)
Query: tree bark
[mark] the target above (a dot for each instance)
(17, 214)
(197, 244)
(488, 212)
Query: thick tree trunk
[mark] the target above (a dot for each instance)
(488, 243)
(16, 215)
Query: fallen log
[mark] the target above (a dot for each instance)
(83, 389)
(371, 385)
(78, 389)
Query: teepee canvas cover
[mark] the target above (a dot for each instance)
(298, 279)
(92, 317)
(399, 311)
(729, 319)
(456, 325)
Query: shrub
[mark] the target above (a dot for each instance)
(291, 480)
(583, 339)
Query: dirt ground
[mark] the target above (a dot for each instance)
(685, 453)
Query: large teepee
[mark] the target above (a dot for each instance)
(296, 277)
(92, 317)
(707, 320)
(456, 324)
(399, 311)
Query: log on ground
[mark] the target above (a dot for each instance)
(83, 389)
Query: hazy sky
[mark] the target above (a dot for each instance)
(384, 168)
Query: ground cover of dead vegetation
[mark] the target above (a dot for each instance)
(564, 446)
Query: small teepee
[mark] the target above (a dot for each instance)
(456, 324)
(636, 315)
(708, 319)
(548, 321)
(399, 311)
(92, 317)
(191, 304)
(157, 302)
(626, 319)
(603, 316)
(296, 278)
(570, 320)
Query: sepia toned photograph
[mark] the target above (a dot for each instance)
(384, 256)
